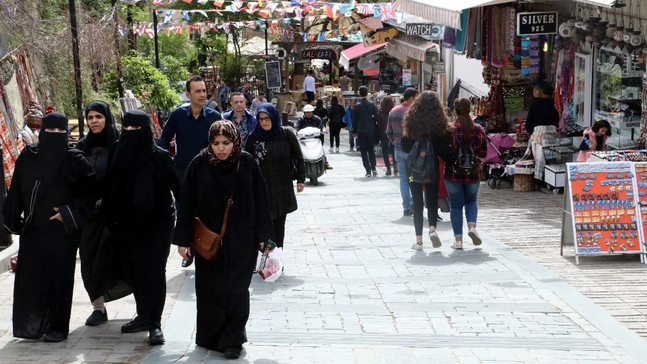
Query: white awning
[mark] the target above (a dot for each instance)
(412, 46)
(605, 3)
(445, 12)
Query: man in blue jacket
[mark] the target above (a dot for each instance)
(240, 115)
(189, 125)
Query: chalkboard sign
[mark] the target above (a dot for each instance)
(273, 74)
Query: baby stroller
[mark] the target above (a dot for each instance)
(498, 156)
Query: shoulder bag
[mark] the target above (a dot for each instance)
(205, 242)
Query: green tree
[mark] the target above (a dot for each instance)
(148, 83)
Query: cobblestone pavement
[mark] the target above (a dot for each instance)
(354, 291)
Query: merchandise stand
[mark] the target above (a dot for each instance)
(601, 214)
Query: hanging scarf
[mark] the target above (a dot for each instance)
(228, 130)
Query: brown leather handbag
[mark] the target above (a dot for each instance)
(205, 242)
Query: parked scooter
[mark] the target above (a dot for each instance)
(313, 153)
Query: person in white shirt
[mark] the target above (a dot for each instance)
(257, 102)
(309, 86)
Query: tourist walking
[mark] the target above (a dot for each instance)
(386, 105)
(463, 185)
(242, 117)
(222, 285)
(336, 122)
(426, 120)
(365, 118)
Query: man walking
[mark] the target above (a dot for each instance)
(364, 127)
(309, 86)
(394, 133)
(257, 102)
(240, 115)
(223, 94)
(344, 81)
(189, 125)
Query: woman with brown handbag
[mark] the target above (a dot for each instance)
(222, 285)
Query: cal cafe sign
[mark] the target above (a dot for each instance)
(537, 23)
(318, 54)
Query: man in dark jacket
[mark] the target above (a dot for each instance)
(542, 111)
(364, 128)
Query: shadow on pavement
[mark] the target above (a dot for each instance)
(437, 258)
(284, 282)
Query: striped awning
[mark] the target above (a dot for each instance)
(412, 46)
(605, 3)
(445, 12)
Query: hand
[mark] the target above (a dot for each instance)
(300, 187)
(269, 245)
(184, 251)
(57, 216)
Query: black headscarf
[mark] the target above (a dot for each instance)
(262, 135)
(132, 166)
(107, 137)
(52, 147)
(135, 147)
(229, 130)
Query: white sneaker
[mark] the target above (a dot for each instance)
(474, 235)
(417, 245)
(337, 150)
(457, 245)
(435, 240)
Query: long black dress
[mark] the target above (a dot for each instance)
(47, 255)
(222, 286)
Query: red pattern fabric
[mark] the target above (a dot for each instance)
(480, 150)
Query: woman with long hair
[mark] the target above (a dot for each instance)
(387, 148)
(426, 120)
(463, 187)
(336, 115)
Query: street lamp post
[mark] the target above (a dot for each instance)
(77, 66)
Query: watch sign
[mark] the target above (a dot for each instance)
(537, 23)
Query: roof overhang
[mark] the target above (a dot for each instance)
(357, 51)
(444, 12)
(413, 46)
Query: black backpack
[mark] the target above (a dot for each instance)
(466, 163)
(422, 163)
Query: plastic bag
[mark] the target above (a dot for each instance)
(270, 265)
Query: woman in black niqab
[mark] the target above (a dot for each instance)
(52, 187)
(142, 181)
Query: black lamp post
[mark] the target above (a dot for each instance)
(77, 66)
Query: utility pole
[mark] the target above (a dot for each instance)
(77, 67)
(120, 75)
(157, 53)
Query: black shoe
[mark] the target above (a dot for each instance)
(97, 318)
(408, 212)
(155, 336)
(232, 353)
(54, 337)
(388, 172)
(368, 174)
(374, 173)
(135, 325)
(187, 262)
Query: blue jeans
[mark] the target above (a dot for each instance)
(462, 194)
(401, 161)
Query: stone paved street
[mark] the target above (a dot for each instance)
(355, 292)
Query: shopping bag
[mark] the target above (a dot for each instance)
(270, 265)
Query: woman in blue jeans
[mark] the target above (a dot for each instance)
(463, 187)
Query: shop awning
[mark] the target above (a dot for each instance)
(357, 51)
(443, 12)
(412, 46)
(605, 3)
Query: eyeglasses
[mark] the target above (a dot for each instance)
(265, 118)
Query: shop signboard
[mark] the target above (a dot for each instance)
(532, 23)
(273, 74)
(604, 200)
(314, 53)
(426, 30)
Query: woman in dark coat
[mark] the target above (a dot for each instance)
(336, 121)
(140, 214)
(52, 187)
(275, 149)
(96, 252)
(222, 285)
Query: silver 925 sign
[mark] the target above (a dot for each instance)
(537, 23)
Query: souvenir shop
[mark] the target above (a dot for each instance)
(602, 76)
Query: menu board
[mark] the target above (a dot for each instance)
(604, 207)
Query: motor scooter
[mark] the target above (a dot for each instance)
(313, 153)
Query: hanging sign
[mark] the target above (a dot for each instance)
(424, 30)
(537, 23)
(273, 74)
(318, 54)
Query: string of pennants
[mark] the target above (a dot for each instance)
(285, 11)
